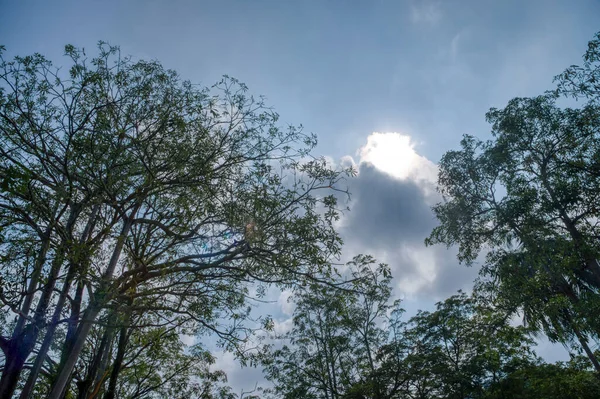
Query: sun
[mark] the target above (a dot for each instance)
(392, 153)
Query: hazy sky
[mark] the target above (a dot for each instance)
(428, 70)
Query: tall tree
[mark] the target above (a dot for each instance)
(572, 379)
(529, 199)
(120, 180)
(463, 349)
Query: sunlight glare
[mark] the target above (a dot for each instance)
(392, 153)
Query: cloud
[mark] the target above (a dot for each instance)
(286, 305)
(454, 45)
(240, 379)
(394, 154)
(282, 327)
(386, 211)
(391, 216)
(187, 339)
(425, 11)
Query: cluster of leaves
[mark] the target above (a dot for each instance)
(571, 379)
(335, 336)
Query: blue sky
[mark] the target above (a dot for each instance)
(345, 69)
(341, 68)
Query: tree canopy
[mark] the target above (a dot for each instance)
(528, 199)
(132, 199)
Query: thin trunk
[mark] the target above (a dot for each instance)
(112, 384)
(582, 340)
(72, 324)
(331, 369)
(15, 356)
(42, 306)
(103, 372)
(586, 348)
(64, 372)
(85, 385)
(73, 320)
(73, 268)
(90, 316)
(31, 288)
(23, 338)
(39, 361)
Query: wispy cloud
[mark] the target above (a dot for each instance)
(454, 45)
(425, 11)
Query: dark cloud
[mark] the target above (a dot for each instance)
(390, 219)
(386, 211)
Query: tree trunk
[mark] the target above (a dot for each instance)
(73, 269)
(31, 288)
(15, 356)
(39, 361)
(95, 368)
(90, 315)
(586, 348)
(67, 368)
(102, 373)
(582, 340)
(73, 321)
(42, 306)
(112, 385)
(10, 375)
(23, 338)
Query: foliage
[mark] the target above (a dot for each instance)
(125, 190)
(461, 350)
(572, 379)
(332, 347)
(528, 200)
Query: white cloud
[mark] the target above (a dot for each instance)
(394, 153)
(225, 361)
(286, 305)
(240, 379)
(347, 161)
(282, 327)
(390, 217)
(426, 273)
(188, 340)
(425, 11)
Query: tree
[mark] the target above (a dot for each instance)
(462, 348)
(334, 343)
(123, 184)
(572, 379)
(528, 198)
(157, 366)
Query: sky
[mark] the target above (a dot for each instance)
(387, 86)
